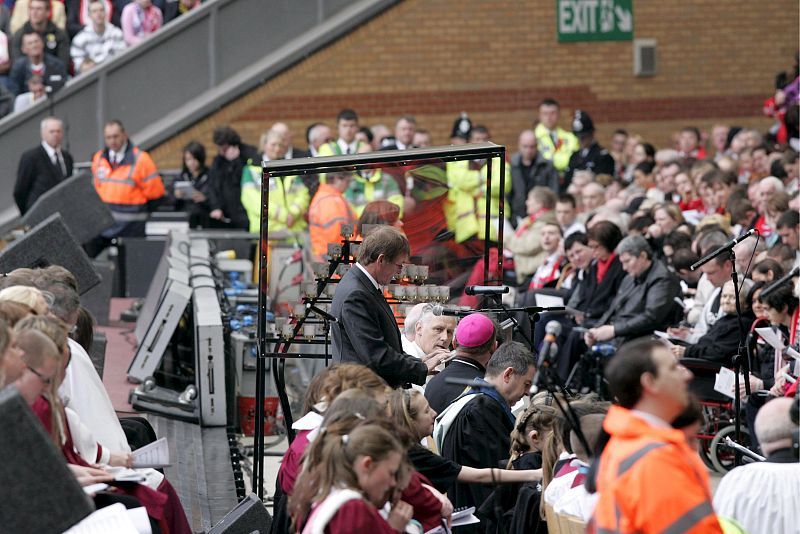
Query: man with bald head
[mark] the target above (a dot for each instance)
(528, 170)
(291, 152)
(762, 496)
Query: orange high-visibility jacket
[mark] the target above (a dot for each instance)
(650, 481)
(133, 182)
(329, 210)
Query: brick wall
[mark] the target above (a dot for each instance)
(497, 59)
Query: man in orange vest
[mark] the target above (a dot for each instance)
(649, 479)
(127, 180)
(328, 211)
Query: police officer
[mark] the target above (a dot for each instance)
(590, 156)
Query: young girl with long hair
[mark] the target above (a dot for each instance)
(353, 477)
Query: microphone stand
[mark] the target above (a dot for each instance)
(552, 381)
(740, 362)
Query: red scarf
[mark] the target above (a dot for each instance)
(602, 267)
(527, 223)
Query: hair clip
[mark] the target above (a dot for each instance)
(345, 439)
(359, 416)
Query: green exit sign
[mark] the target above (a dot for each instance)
(594, 20)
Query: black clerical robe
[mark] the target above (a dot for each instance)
(480, 436)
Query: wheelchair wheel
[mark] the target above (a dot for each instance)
(704, 450)
(722, 456)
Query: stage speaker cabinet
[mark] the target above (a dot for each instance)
(169, 310)
(37, 491)
(248, 517)
(84, 213)
(173, 265)
(98, 299)
(50, 243)
(209, 343)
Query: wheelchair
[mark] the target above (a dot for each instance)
(719, 420)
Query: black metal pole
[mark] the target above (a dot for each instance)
(501, 213)
(258, 435)
(740, 364)
(487, 221)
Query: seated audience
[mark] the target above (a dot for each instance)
(139, 20)
(98, 41)
(53, 36)
(525, 243)
(34, 61)
(36, 92)
(720, 343)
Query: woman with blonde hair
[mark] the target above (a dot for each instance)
(35, 299)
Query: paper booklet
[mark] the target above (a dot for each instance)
(154, 454)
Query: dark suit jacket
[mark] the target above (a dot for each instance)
(541, 173)
(36, 175)
(366, 332)
(644, 303)
(55, 74)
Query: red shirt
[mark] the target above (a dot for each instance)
(358, 515)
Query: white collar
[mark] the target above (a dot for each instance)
(400, 146)
(50, 150)
(371, 279)
(344, 146)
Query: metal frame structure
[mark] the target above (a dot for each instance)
(351, 163)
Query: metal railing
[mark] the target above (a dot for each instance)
(186, 71)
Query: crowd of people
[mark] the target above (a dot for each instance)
(613, 232)
(44, 43)
(45, 336)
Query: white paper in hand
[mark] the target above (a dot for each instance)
(773, 337)
(154, 454)
(725, 382)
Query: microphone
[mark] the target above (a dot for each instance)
(462, 311)
(549, 348)
(780, 281)
(486, 290)
(727, 246)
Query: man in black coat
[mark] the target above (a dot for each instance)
(365, 330)
(646, 298)
(225, 177)
(43, 167)
(476, 335)
(528, 170)
(476, 431)
(591, 156)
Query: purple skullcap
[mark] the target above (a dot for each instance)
(474, 330)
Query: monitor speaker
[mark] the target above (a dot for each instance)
(78, 203)
(50, 243)
(248, 517)
(38, 491)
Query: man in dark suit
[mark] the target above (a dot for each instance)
(365, 330)
(403, 134)
(43, 167)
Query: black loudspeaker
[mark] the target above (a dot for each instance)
(98, 299)
(248, 517)
(98, 352)
(50, 243)
(78, 203)
(38, 491)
